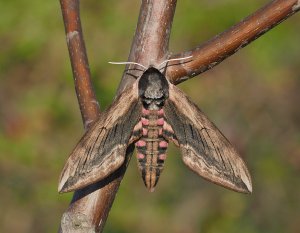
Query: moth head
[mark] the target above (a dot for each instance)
(153, 89)
(153, 86)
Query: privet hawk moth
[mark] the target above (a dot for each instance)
(150, 114)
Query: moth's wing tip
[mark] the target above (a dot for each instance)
(249, 191)
(63, 184)
(65, 187)
(244, 185)
(245, 177)
(248, 184)
(62, 188)
(246, 191)
(241, 183)
(61, 191)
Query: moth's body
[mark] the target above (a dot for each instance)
(152, 146)
(150, 114)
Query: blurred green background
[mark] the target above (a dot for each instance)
(253, 97)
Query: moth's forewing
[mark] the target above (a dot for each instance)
(102, 149)
(205, 150)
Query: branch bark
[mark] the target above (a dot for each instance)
(90, 206)
(88, 104)
(214, 51)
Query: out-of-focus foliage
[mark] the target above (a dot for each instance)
(253, 97)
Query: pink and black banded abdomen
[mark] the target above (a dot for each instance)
(151, 147)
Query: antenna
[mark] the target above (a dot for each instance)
(145, 68)
(127, 62)
(174, 59)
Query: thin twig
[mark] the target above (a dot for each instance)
(82, 77)
(229, 42)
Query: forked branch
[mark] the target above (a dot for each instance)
(90, 206)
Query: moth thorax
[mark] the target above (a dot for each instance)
(153, 89)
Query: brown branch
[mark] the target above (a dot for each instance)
(82, 77)
(90, 206)
(229, 42)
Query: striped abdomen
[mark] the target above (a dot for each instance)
(151, 147)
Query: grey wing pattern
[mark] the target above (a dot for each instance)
(205, 150)
(102, 148)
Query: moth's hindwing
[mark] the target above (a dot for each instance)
(204, 149)
(102, 149)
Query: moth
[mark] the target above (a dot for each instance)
(150, 114)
